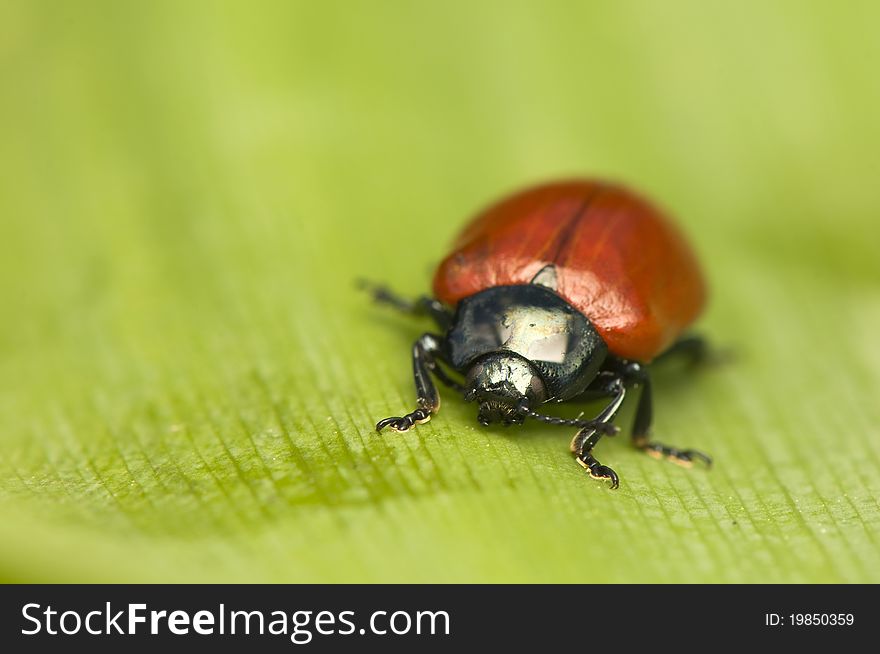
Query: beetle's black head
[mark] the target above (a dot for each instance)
(501, 383)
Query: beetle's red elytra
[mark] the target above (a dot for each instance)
(618, 261)
(563, 292)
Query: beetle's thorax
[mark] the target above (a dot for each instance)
(516, 343)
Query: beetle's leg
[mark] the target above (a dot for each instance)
(696, 352)
(424, 356)
(642, 429)
(592, 466)
(693, 349)
(421, 306)
(586, 439)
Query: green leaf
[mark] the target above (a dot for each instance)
(188, 378)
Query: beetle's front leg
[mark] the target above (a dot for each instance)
(586, 439)
(424, 356)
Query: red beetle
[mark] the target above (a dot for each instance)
(564, 291)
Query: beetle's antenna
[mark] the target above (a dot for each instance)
(605, 427)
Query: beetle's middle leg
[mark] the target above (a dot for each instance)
(425, 353)
(642, 428)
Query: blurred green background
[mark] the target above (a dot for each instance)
(188, 379)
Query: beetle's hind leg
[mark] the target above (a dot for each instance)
(421, 306)
(692, 349)
(642, 428)
(696, 352)
(424, 357)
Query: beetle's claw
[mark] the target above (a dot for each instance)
(396, 423)
(692, 455)
(405, 423)
(604, 472)
(683, 458)
(598, 471)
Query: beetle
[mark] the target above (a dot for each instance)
(564, 291)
